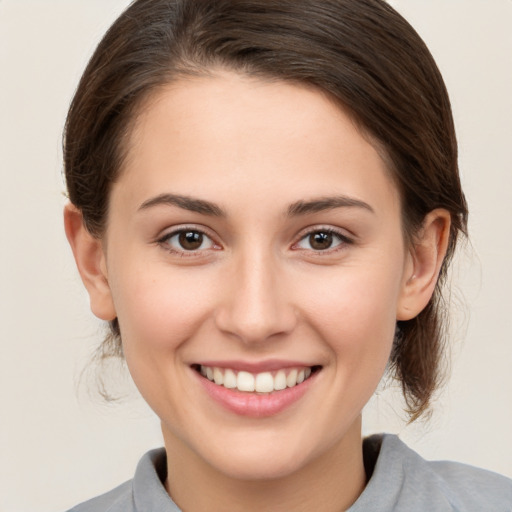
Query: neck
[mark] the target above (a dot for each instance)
(331, 482)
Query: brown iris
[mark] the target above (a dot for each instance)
(190, 240)
(321, 240)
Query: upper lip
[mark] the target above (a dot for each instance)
(256, 367)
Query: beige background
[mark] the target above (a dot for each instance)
(57, 445)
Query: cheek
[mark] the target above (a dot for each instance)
(158, 311)
(356, 315)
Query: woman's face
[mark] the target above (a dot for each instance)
(254, 236)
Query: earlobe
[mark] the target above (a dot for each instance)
(424, 264)
(90, 260)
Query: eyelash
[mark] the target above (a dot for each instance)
(164, 241)
(343, 240)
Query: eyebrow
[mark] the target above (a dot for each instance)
(295, 209)
(326, 203)
(186, 203)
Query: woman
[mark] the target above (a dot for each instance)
(264, 202)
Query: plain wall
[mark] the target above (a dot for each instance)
(58, 446)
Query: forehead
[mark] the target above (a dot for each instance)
(212, 134)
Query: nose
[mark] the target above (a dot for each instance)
(256, 305)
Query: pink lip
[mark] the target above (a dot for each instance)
(252, 404)
(262, 366)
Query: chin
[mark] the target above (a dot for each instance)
(259, 455)
(255, 465)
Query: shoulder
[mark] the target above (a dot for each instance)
(404, 481)
(118, 499)
(473, 487)
(144, 492)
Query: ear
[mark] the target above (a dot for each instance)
(423, 265)
(91, 262)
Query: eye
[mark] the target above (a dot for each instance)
(187, 240)
(322, 240)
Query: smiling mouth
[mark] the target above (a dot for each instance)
(264, 382)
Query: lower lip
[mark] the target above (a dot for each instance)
(253, 404)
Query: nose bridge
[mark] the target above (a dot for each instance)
(256, 306)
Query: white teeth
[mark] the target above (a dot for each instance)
(265, 382)
(280, 380)
(291, 380)
(229, 379)
(218, 376)
(245, 381)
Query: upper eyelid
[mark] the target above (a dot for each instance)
(343, 233)
(171, 231)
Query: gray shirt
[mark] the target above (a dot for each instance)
(400, 481)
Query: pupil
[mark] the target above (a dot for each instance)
(320, 241)
(190, 240)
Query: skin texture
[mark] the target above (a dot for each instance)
(256, 289)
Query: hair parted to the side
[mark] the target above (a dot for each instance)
(362, 53)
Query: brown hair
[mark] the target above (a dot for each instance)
(362, 53)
